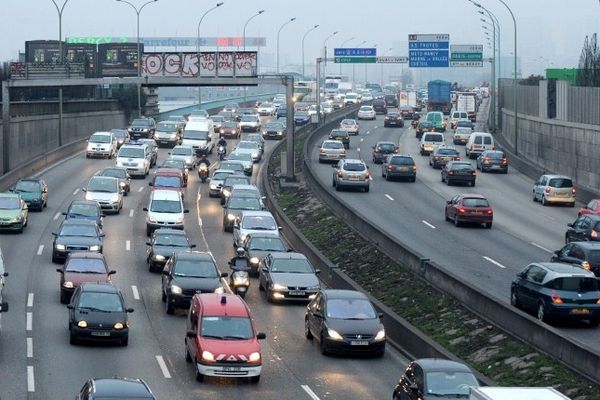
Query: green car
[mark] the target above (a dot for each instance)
(13, 212)
(33, 191)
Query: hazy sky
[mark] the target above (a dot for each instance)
(552, 29)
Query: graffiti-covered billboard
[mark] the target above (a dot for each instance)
(209, 64)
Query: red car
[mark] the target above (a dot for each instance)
(169, 179)
(473, 208)
(592, 208)
(80, 268)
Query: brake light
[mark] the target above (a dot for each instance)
(436, 158)
(397, 150)
(586, 265)
(473, 173)
(457, 158)
(504, 161)
(556, 299)
(594, 233)
(377, 149)
(490, 211)
(548, 190)
(414, 168)
(450, 172)
(598, 302)
(389, 167)
(461, 210)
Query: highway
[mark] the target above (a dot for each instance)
(523, 231)
(37, 361)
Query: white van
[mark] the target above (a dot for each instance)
(165, 210)
(103, 144)
(455, 116)
(478, 143)
(429, 141)
(200, 134)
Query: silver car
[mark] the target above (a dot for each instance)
(554, 189)
(331, 150)
(351, 173)
(253, 222)
(288, 276)
(216, 182)
(248, 147)
(245, 159)
(185, 153)
(461, 135)
(105, 190)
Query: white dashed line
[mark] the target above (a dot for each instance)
(361, 139)
(30, 300)
(428, 224)
(136, 293)
(141, 189)
(389, 197)
(40, 250)
(163, 367)
(358, 149)
(29, 321)
(29, 347)
(375, 127)
(30, 379)
(541, 247)
(310, 393)
(128, 245)
(131, 213)
(56, 216)
(75, 192)
(368, 132)
(496, 263)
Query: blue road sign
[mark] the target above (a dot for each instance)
(428, 45)
(355, 52)
(428, 58)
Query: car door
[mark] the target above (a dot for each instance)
(540, 186)
(563, 254)
(167, 274)
(531, 286)
(451, 207)
(236, 231)
(580, 229)
(192, 326)
(317, 316)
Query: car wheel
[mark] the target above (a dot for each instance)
(148, 232)
(572, 205)
(448, 182)
(163, 296)
(456, 221)
(594, 322)
(199, 376)
(514, 300)
(541, 312)
(125, 341)
(387, 177)
(260, 286)
(255, 379)
(544, 201)
(443, 180)
(72, 338)
(188, 357)
(413, 179)
(367, 189)
(64, 299)
(534, 198)
(446, 215)
(269, 295)
(169, 307)
(307, 332)
(338, 188)
(488, 225)
(473, 183)
(322, 345)
(333, 182)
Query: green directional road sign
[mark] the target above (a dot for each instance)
(466, 56)
(355, 60)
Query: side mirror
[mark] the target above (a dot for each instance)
(165, 272)
(145, 208)
(317, 271)
(261, 336)
(190, 334)
(129, 310)
(63, 213)
(148, 243)
(224, 274)
(448, 201)
(59, 270)
(84, 189)
(54, 234)
(557, 252)
(3, 306)
(186, 211)
(112, 272)
(280, 227)
(380, 315)
(570, 224)
(193, 246)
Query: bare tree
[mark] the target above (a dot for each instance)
(588, 73)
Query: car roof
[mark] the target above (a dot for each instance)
(344, 294)
(472, 196)
(169, 231)
(288, 256)
(98, 287)
(561, 270)
(162, 194)
(438, 364)
(118, 387)
(213, 305)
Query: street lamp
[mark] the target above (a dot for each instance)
(304, 37)
(496, 25)
(278, 32)
(246, 24)
(342, 45)
(325, 51)
(198, 48)
(139, 61)
(60, 10)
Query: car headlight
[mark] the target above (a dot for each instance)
(145, 130)
(82, 324)
(208, 356)
(188, 160)
(176, 289)
(159, 257)
(156, 136)
(230, 217)
(60, 247)
(122, 184)
(226, 192)
(277, 286)
(334, 335)
(254, 260)
(380, 335)
(95, 248)
(68, 285)
(114, 198)
(118, 326)
(89, 146)
(88, 196)
(220, 290)
(173, 136)
(314, 287)
(222, 130)
(254, 357)
(119, 163)
(179, 220)
(151, 219)
(213, 186)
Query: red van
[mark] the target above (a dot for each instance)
(221, 338)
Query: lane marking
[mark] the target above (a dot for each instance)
(56, 216)
(140, 189)
(389, 197)
(131, 213)
(40, 250)
(541, 247)
(30, 300)
(30, 379)
(368, 132)
(428, 224)
(128, 245)
(496, 263)
(361, 139)
(29, 347)
(75, 192)
(375, 127)
(136, 293)
(163, 367)
(310, 393)
(29, 321)
(358, 149)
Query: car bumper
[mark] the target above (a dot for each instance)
(136, 171)
(226, 370)
(476, 219)
(352, 183)
(167, 142)
(98, 153)
(35, 203)
(62, 254)
(11, 226)
(294, 295)
(366, 116)
(562, 200)
(248, 128)
(393, 123)
(180, 300)
(109, 206)
(588, 311)
(460, 179)
(426, 150)
(331, 157)
(345, 346)
(273, 135)
(401, 174)
(460, 140)
(493, 167)
(229, 134)
(380, 157)
(157, 225)
(99, 335)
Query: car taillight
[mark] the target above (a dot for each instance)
(586, 265)
(504, 161)
(377, 149)
(461, 210)
(473, 173)
(450, 172)
(397, 150)
(548, 189)
(598, 301)
(414, 168)
(490, 212)
(573, 191)
(594, 233)
(556, 299)
(436, 158)
(389, 167)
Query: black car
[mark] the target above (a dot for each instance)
(459, 172)
(493, 160)
(383, 149)
(344, 321)
(33, 191)
(301, 118)
(424, 126)
(142, 128)
(379, 106)
(236, 205)
(163, 244)
(258, 245)
(274, 130)
(585, 227)
(177, 164)
(557, 290)
(584, 254)
(121, 174)
(115, 388)
(393, 118)
(391, 100)
(186, 274)
(84, 209)
(76, 235)
(433, 379)
(121, 135)
(228, 185)
(97, 312)
(442, 155)
(288, 276)
(341, 135)
(407, 112)
(399, 166)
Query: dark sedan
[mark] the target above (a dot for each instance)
(459, 172)
(383, 149)
(442, 155)
(288, 276)
(424, 126)
(344, 321)
(76, 235)
(393, 118)
(236, 205)
(557, 290)
(341, 135)
(84, 209)
(228, 184)
(186, 274)
(121, 174)
(584, 254)
(163, 244)
(300, 118)
(407, 112)
(121, 135)
(585, 228)
(258, 245)
(97, 312)
(80, 268)
(33, 191)
(493, 160)
(122, 388)
(274, 130)
(399, 166)
(471, 208)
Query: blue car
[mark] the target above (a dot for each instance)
(301, 118)
(85, 209)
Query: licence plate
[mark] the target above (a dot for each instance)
(495, 167)
(297, 293)
(104, 334)
(354, 178)
(580, 311)
(4, 223)
(232, 369)
(561, 194)
(359, 343)
(402, 168)
(447, 158)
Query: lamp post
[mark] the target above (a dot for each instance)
(385, 54)
(198, 48)
(354, 65)
(304, 37)
(139, 61)
(61, 60)
(278, 32)
(342, 45)
(499, 35)
(493, 94)
(325, 52)
(244, 40)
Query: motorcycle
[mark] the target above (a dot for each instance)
(240, 279)
(221, 152)
(203, 172)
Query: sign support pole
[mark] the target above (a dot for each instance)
(289, 95)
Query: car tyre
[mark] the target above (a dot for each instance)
(446, 218)
(448, 182)
(338, 188)
(255, 379)
(163, 296)
(594, 322)
(541, 312)
(488, 225)
(323, 346)
(64, 299)
(534, 198)
(366, 189)
(333, 182)
(73, 339)
(169, 307)
(544, 201)
(514, 300)
(456, 221)
(188, 357)
(125, 342)
(307, 332)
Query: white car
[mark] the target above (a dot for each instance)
(266, 109)
(135, 157)
(367, 96)
(366, 112)
(351, 98)
(461, 135)
(185, 153)
(253, 222)
(103, 144)
(248, 147)
(106, 191)
(216, 182)
(350, 126)
(250, 122)
(165, 210)
(331, 150)
(327, 108)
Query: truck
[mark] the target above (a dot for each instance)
(438, 95)
(467, 102)
(514, 393)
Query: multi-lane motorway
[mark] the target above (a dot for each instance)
(37, 361)
(523, 231)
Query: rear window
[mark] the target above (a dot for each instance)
(333, 145)
(474, 202)
(447, 151)
(402, 161)
(387, 146)
(434, 138)
(575, 283)
(355, 167)
(495, 155)
(560, 183)
(487, 140)
(462, 166)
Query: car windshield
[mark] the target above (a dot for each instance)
(106, 185)
(464, 124)
(99, 301)
(195, 135)
(78, 230)
(575, 284)
(259, 222)
(167, 181)
(338, 133)
(443, 383)
(244, 203)
(267, 244)
(226, 328)
(9, 203)
(27, 186)
(247, 145)
(248, 118)
(393, 115)
(333, 145)
(292, 266)
(350, 309)
(217, 118)
(426, 124)
(119, 134)
(220, 176)
(230, 125)
(355, 166)
(99, 138)
(166, 206)
(475, 202)
(195, 269)
(236, 180)
(179, 164)
(166, 127)
(301, 114)
(560, 183)
(86, 266)
(115, 173)
(83, 210)
(446, 152)
(402, 161)
(461, 167)
(140, 122)
(386, 146)
(165, 239)
(182, 151)
(131, 152)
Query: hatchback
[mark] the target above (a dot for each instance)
(591, 208)
(76, 235)
(85, 209)
(217, 179)
(584, 254)
(554, 189)
(185, 153)
(351, 173)
(332, 150)
(121, 174)
(473, 208)
(163, 244)
(459, 172)
(79, 268)
(585, 228)
(228, 184)
(493, 160)
(106, 191)
(288, 276)
(383, 149)
(236, 204)
(441, 155)
(253, 222)
(350, 125)
(399, 166)
(422, 127)
(33, 191)
(14, 213)
(393, 118)
(461, 135)
(366, 112)
(341, 135)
